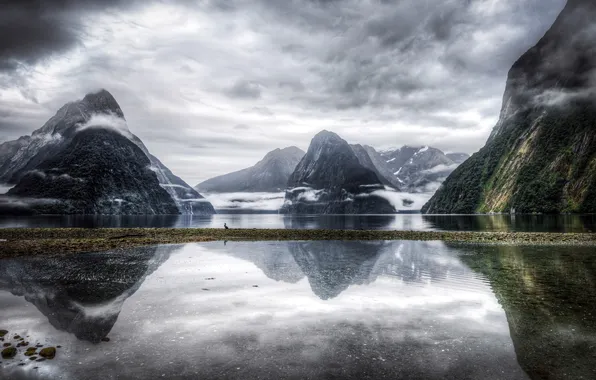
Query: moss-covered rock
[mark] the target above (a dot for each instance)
(9, 353)
(30, 351)
(3, 333)
(33, 358)
(48, 352)
(7, 345)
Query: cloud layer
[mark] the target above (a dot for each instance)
(211, 86)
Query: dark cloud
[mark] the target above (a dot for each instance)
(31, 30)
(192, 76)
(244, 89)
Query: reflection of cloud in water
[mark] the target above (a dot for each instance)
(400, 310)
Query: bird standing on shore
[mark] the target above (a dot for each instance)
(226, 226)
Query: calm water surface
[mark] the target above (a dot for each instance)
(526, 223)
(314, 310)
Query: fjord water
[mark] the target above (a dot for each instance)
(419, 222)
(275, 310)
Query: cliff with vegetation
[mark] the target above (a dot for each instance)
(541, 155)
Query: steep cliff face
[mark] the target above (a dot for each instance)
(271, 174)
(331, 180)
(85, 160)
(82, 179)
(541, 155)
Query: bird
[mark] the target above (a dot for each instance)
(226, 226)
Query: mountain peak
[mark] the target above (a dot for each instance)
(102, 101)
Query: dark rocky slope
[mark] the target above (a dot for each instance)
(541, 155)
(331, 180)
(85, 160)
(271, 174)
(372, 160)
(82, 179)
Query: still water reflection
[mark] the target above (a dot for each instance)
(526, 223)
(272, 310)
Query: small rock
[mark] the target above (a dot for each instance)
(22, 364)
(17, 337)
(33, 358)
(210, 278)
(205, 289)
(48, 352)
(39, 346)
(104, 339)
(3, 332)
(30, 352)
(58, 346)
(7, 345)
(23, 344)
(255, 286)
(9, 353)
(40, 360)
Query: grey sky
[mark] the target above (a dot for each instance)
(211, 86)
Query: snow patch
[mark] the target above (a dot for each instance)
(4, 188)
(391, 160)
(422, 150)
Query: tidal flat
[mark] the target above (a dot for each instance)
(49, 241)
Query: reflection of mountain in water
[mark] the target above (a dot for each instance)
(332, 266)
(524, 223)
(82, 294)
(276, 262)
(549, 296)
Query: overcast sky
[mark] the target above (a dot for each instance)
(211, 85)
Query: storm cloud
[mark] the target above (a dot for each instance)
(211, 86)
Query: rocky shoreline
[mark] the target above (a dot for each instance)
(54, 241)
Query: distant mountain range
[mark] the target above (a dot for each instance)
(85, 160)
(331, 179)
(541, 155)
(334, 176)
(271, 174)
(423, 168)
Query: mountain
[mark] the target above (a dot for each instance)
(458, 158)
(372, 160)
(421, 169)
(550, 310)
(85, 160)
(82, 294)
(268, 175)
(331, 180)
(541, 155)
